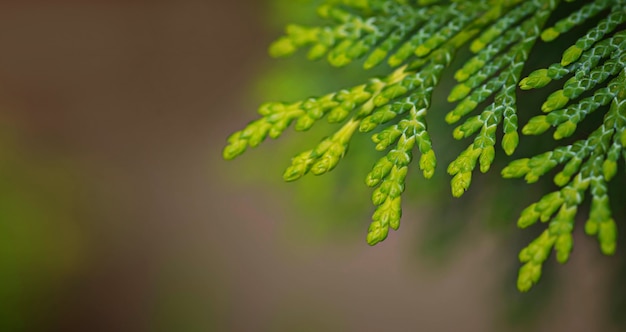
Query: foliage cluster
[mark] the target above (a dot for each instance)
(420, 39)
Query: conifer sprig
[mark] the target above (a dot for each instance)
(421, 39)
(598, 61)
(495, 70)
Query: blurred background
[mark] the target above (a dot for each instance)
(117, 212)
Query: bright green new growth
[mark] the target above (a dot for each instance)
(421, 38)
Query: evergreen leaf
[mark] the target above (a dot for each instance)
(422, 39)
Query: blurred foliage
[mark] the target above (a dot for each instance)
(41, 242)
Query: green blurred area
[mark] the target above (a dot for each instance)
(42, 241)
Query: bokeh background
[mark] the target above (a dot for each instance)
(117, 212)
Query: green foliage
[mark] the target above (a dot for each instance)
(421, 38)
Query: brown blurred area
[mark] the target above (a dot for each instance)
(131, 97)
(114, 114)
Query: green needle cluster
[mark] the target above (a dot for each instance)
(420, 39)
(598, 63)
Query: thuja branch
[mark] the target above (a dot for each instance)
(420, 39)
